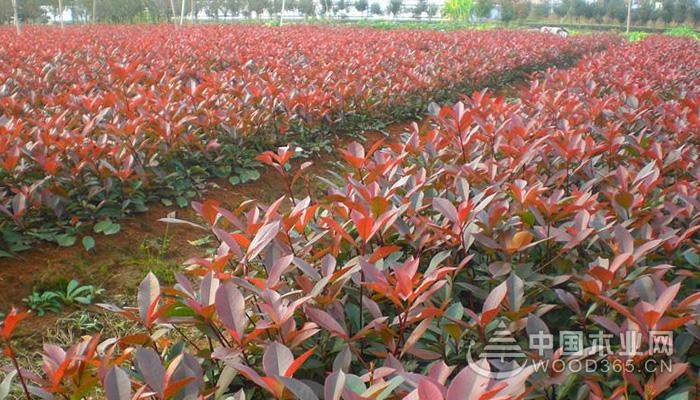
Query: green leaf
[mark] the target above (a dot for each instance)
(392, 384)
(455, 311)
(252, 175)
(72, 285)
(564, 390)
(6, 254)
(679, 396)
(112, 229)
(692, 257)
(528, 217)
(85, 300)
(102, 225)
(65, 240)
(354, 383)
(88, 243)
(181, 201)
(166, 202)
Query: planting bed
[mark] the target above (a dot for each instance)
(572, 208)
(99, 122)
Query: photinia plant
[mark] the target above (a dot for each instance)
(525, 222)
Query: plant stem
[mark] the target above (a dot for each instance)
(19, 372)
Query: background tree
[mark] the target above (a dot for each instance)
(5, 11)
(307, 8)
(159, 10)
(326, 7)
(394, 7)
(420, 8)
(213, 8)
(361, 6)
(458, 10)
(514, 9)
(483, 8)
(339, 5)
(432, 10)
(258, 6)
(540, 11)
(375, 9)
(27, 11)
(232, 7)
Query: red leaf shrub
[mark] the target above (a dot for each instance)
(496, 220)
(97, 121)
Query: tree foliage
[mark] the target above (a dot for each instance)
(458, 10)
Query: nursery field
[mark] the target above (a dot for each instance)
(533, 234)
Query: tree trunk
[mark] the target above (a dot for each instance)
(182, 13)
(60, 12)
(15, 10)
(172, 13)
(94, 11)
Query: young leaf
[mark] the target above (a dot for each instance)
(262, 239)
(333, 387)
(117, 385)
(151, 367)
(230, 305)
(148, 294)
(276, 359)
(492, 303)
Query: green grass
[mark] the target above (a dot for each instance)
(635, 36)
(680, 31)
(425, 24)
(683, 31)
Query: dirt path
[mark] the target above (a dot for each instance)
(119, 262)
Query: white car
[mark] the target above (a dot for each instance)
(556, 30)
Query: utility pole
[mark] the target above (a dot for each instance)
(60, 12)
(16, 16)
(282, 13)
(172, 11)
(629, 15)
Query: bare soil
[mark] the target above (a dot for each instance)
(119, 262)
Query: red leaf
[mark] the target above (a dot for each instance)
(492, 303)
(298, 362)
(10, 323)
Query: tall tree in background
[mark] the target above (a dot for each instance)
(375, 9)
(24, 10)
(339, 5)
(6, 11)
(483, 8)
(307, 8)
(326, 7)
(432, 10)
(394, 7)
(514, 10)
(213, 8)
(258, 6)
(232, 6)
(458, 10)
(420, 8)
(362, 6)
